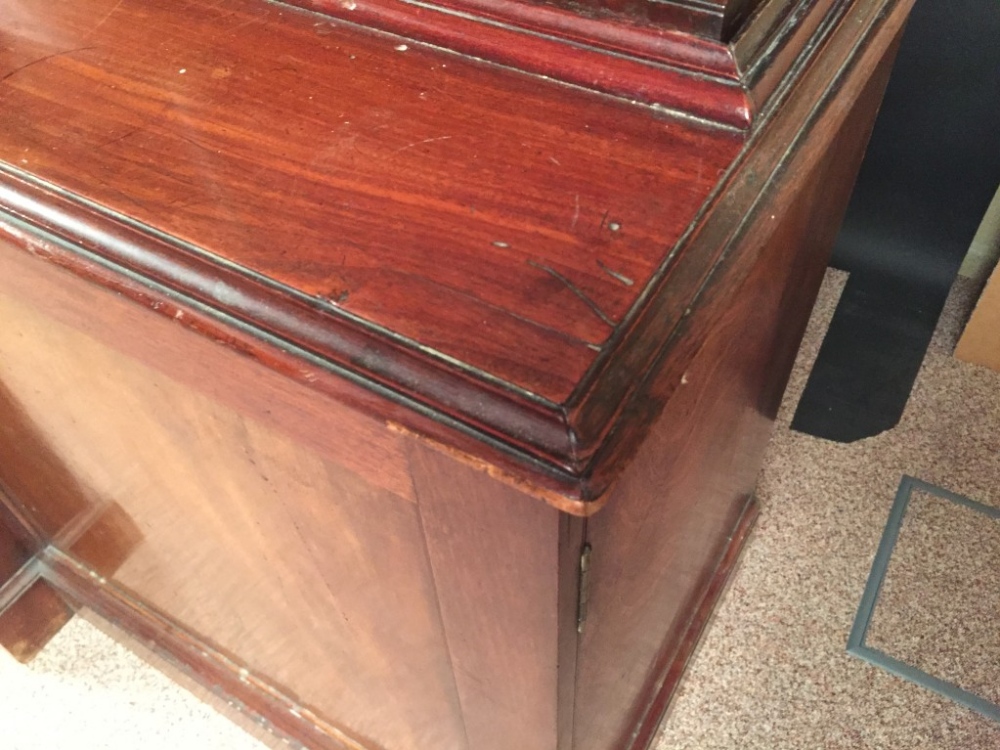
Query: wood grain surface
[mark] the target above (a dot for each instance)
(408, 620)
(503, 563)
(262, 546)
(613, 409)
(365, 221)
(28, 624)
(301, 320)
(483, 303)
(14, 549)
(357, 191)
(671, 519)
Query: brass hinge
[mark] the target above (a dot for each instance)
(583, 594)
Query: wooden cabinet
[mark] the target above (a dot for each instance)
(409, 399)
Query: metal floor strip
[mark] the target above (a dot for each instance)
(856, 645)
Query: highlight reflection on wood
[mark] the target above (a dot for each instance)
(408, 400)
(261, 545)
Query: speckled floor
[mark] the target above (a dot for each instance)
(946, 553)
(84, 691)
(772, 672)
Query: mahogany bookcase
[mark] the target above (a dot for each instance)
(402, 370)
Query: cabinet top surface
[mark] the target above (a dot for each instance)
(496, 222)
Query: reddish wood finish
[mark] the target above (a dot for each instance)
(698, 466)
(556, 401)
(238, 524)
(324, 355)
(716, 19)
(503, 564)
(33, 620)
(48, 493)
(665, 333)
(14, 549)
(289, 193)
(31, 610)
(184, 345)
(665, 68)
(668, 670)
(727, 77)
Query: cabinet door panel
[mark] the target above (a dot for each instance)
(305, 562)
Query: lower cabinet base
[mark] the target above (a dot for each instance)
(222, 673)
(35, 612)
(671, 668)
(53, 578)
(31, 611)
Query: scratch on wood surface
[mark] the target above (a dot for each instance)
(573, 288)
(121, 194)
(197, 144)
(254, 173)
(122, 137)
(615, 274)
(105, 18)
(257, 19)
(40, 60)
(421, 143)
(576, 211)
